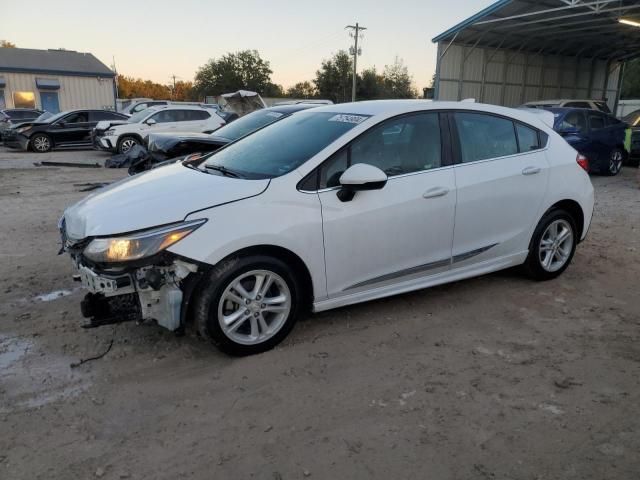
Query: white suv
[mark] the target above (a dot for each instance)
(170, 118)
(328, 207)
(599, 105)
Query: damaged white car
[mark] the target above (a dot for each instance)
(329, 207)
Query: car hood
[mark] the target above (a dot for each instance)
(27, 124)
(157, 197)
(164, 142)
(106, 124)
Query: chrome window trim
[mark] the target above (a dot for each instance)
(394, 177)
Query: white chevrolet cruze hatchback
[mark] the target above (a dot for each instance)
(330, 207)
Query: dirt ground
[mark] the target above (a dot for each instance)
(491, 378)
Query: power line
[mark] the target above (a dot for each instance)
(355, 33)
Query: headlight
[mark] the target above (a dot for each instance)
(139, 245)
(110, 132)
(22, 129)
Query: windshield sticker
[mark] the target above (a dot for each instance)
(274, 114)
(341, 117)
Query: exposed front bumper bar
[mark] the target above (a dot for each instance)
(148, 293)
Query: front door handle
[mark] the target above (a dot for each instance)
(531, 170)
(435, 192)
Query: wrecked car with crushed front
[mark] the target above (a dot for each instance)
(328, 207)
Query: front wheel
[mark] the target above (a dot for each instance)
(127, 143)
(552, 246)
(616, 159)
(248, 304)
(41, 143)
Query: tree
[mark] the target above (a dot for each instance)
(302, 90)
(129, 87)
(333, 80)
(7, 44)
(273, 90)
(370, 85)
(184, 92)
(397, 81)
(234, 71)
(631, 80)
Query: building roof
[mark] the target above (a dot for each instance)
(52, 62)
(586, 28)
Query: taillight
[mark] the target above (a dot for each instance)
(583, 162)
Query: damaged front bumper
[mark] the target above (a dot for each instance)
(159, 292)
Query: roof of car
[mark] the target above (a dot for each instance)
(291, 108)
(562, 100)
(387, 108)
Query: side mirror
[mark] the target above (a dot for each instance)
(150, 122)
(61, 124)
(360, 177)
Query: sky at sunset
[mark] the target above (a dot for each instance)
(156, 39)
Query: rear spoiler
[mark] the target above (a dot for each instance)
(544, 115)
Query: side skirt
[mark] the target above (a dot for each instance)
(403, 286)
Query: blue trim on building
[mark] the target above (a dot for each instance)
(57, 72)
(471, 20)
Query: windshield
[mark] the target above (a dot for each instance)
(55, 117)
(248, 124)
(138, 117)
(44, 116)
(284, 146)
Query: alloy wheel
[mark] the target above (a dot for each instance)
(127, 145)
(254, 307)
(556, 245)
(615, 162)
(41, 144)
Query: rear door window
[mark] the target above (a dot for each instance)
(484, 136)
(573, 120)
(527, 138)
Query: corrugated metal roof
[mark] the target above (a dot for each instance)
(589, 28)
(58, 62)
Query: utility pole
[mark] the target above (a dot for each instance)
(355, 29)
(173, 93)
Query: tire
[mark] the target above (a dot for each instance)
(41, 143)
(246, 322)
(616, 159)
(126, 143)
(535, 265)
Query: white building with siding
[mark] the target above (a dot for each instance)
(54, 80)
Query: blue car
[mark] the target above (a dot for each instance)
(596, 135)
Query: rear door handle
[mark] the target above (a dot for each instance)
(531, 170)
(435, 192)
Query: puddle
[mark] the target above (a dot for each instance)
(47, 297)
(31, 378)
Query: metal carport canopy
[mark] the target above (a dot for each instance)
(583, 29)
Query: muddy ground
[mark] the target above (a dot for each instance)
(491, 378)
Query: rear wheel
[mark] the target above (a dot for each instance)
(248, 305)
(127, 143)
(616, 158)
(41, 143)
(552, 246)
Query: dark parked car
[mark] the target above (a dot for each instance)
(10, 117)
(633, 120)
(596, 135)
(165, 146)
(66, 129)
